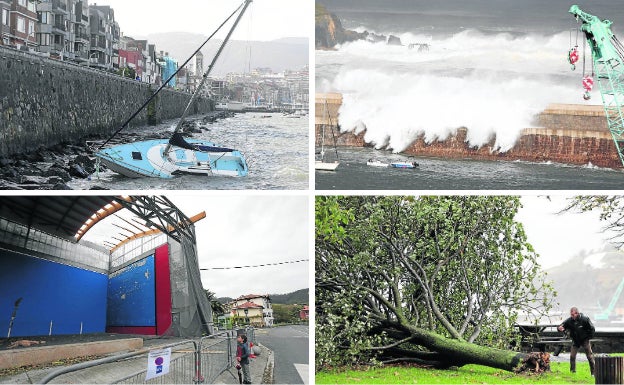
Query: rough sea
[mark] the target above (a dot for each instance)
(490, 66)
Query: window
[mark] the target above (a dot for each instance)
(31, 28)
(43, 39)
(23, 3)
(44, 17)
(5, 16)
(21, 25)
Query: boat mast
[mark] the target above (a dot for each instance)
(205, 76)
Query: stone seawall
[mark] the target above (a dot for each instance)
(44, 102)
(574, 134)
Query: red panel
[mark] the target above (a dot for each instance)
(145, 330)
(163, 290)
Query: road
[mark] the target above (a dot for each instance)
(290, 348)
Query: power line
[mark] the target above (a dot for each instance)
(262, 265)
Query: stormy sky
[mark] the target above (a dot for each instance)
(263, 21)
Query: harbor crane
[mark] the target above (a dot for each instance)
(608, 68)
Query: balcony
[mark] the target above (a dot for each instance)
(59, 26)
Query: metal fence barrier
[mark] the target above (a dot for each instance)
(192, 361)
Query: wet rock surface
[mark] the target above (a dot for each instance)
(51, 168)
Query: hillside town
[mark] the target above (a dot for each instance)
(257, 310)
(84, 34)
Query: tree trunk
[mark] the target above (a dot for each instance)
(458, 352)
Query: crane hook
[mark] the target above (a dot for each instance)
(573, 57)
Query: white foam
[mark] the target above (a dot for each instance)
(491, 84)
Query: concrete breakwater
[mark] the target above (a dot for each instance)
(574, 134)
(45, 102)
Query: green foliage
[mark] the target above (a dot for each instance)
(127, 72)
(296, 297)
(469, 374)
(152, 120)
(217, 307)
(286, 313)
(458, 266)
(331, 218)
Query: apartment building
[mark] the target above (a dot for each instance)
(17, 23)
(104, 38)
(62, 29)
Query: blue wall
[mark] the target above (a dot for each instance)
(51, 292)
(131, 295)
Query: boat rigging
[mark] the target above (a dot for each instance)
(164, 158)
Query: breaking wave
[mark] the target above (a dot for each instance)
(491, 84)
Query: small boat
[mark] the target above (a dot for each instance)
(189, 156)
(162, 158)
(326, 166)
(376, 163)
(404, 164)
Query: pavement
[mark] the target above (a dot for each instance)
(260, 369)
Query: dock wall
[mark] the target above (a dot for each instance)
(44, 102)
(565, 133)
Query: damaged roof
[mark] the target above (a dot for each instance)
(61, 216)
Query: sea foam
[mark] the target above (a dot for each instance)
(492, 84)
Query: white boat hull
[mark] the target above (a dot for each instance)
(141, 159)
(324, 166)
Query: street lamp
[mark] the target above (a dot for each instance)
(246, 316)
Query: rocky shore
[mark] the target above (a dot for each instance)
(329, 32)
(51, 168)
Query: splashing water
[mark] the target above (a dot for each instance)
(492, 84)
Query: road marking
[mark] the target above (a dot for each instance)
(303, 370)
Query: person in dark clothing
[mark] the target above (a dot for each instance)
(581, 331)
(242, 356)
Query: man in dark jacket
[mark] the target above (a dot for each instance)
(581, 330)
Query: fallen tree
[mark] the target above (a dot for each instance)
(433, 280)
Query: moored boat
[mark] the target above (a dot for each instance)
(404, 164)
(376, 163)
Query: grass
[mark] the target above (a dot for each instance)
(469, 374)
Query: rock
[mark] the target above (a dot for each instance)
(375, 38)
(77, 171)
(61, 186)
(420, 47)
(394, 40)
(328, 30)
(86, 163)
(32, 180)
(58, 172)
(7, 185)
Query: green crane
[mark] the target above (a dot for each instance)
(608, 60)
(604, 315)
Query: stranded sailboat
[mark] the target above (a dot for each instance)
(162, 158)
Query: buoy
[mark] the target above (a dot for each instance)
(573, 57)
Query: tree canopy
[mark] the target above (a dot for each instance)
(425, 279)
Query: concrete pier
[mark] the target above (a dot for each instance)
(565, 133)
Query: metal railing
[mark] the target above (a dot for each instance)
(192, 361)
